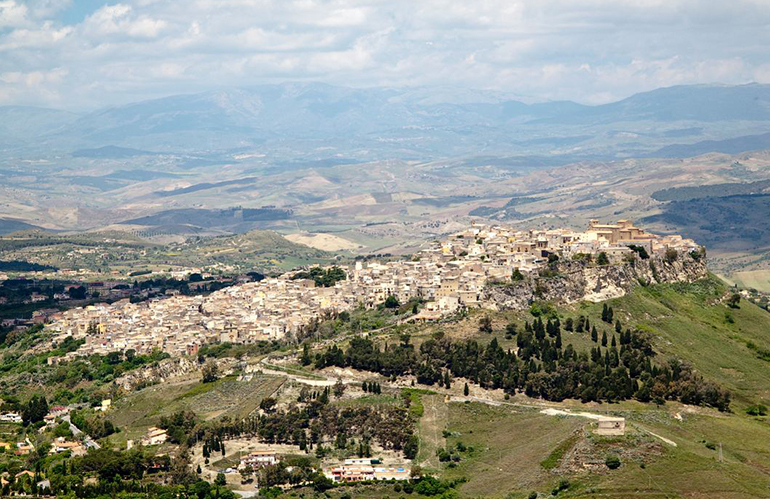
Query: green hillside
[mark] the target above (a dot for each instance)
(125, 253)
(669, 450)
(484, 443)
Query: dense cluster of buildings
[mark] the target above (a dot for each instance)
(447, 275)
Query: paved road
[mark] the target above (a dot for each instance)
(89, 442)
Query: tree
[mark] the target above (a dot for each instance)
(199, 470)
(604, 338)
(267, 404)
(594, 335)
(391, 302)
(35, 410)
(305, 359)
(220, 481)
(607, 314)
(466, 390)
(734, 300)
(210, 372)
(517, 276)
(602, 259)
(339, 388)
(485, 324)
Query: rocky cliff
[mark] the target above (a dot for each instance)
(573, 281)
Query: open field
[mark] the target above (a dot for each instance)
(756, 279)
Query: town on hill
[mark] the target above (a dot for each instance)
(445, 277)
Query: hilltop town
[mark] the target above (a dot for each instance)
(446, 276)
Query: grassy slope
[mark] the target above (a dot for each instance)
(687, 321)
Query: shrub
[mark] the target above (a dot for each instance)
(602, 259)
(756, 410)
(671, 255)
(612, 462)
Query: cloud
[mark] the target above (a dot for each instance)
(119, 20)
(12, 14)
(584, 50)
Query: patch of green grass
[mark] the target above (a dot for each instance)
(416, 407)
(554, 458)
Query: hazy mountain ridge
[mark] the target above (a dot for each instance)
(379, 123)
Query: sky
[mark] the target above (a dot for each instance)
(87, 54)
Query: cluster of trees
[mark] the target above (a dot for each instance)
(101, 367)
(34, 410)
(213, 443)
(23, 266)
(178, 426)
(372, 387)
(621, 368)
(236, 350)
(294, 470)
(120, 474)
(322, 277)
(607, 314)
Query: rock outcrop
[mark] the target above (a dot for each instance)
(168, 369)
(574, 281)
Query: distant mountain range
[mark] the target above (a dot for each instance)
(316, 121)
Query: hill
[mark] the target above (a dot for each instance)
(120, 254)
(468, 437)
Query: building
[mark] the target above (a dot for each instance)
(360, 470)
(62, 445)
(258, 459)
(155, 436)
(611, 426)
(10, 417)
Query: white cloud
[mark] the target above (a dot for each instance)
(12, 14)
(119, 20)
(586, 50)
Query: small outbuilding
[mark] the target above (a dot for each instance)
(611, 426)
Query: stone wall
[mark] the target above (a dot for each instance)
(578, 281)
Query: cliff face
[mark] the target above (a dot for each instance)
(575, 281)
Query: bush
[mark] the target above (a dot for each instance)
(671, 255)
(756, 410)
(602, 259)
(612, 462)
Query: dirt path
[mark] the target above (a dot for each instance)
(432, 426)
